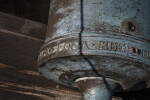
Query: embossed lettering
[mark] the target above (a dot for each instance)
(67, 46)
(61, 47)
(94, 45)
(121, 48)
(75, 46)
(103, 45)
(84, 45)
(113, 46)
(145, 54)
(55, 48)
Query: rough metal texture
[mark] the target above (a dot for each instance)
(94, 88)
(100, 16)
(114, 35)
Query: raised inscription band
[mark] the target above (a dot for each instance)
(104, 46)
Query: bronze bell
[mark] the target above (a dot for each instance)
(97, 45)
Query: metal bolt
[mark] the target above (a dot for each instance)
(131, 27)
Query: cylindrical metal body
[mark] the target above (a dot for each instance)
(94, 88)
(114, 35)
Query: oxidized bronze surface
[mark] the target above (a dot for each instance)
(90, 38)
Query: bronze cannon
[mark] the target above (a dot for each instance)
(100, 46)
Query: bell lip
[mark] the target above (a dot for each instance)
(94, 78)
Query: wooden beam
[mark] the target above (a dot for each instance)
(36, 10)
(22, 26)
(20, 84)
(20, 41)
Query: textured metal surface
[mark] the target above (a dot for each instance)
(100, 16)
(102, 44)
(66, 70)
(94, 88)
(115, 39)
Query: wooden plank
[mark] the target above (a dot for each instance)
(19, 50)
(36, 10)
(20, 41)
(22, 26)
(23, 84)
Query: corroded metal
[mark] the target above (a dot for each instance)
(114, 36)
(94, 88)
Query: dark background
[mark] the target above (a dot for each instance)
(36, 10)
